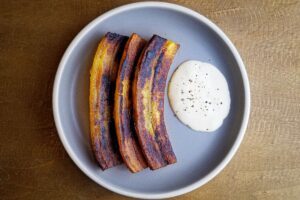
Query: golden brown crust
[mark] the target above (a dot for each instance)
(148, 101)
(127, 140)
(102, 85)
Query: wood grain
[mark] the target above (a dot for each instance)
(33, 37)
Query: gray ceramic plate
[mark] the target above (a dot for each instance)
(201, 156)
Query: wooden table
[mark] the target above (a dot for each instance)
(35, 34)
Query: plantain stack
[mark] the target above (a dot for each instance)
(127, 88)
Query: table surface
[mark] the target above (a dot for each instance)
(34, 36)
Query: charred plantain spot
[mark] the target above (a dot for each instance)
(151, 53)
(103, 136)
(112, 36)
(124, 71)
(105, 80)
(114, 140)
(122, 41)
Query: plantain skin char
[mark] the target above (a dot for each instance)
(148, 101)
(102, 87)
(127, 139)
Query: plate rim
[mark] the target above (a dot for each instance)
(214, 172)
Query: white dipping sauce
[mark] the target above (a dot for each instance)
(199, 95)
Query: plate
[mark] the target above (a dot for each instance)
(200, 156)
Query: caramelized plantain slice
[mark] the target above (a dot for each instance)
(127, 140)
(148, 101)
(102, 88)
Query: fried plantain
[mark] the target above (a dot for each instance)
(102, 88)
(148, 101)
(127, 140)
